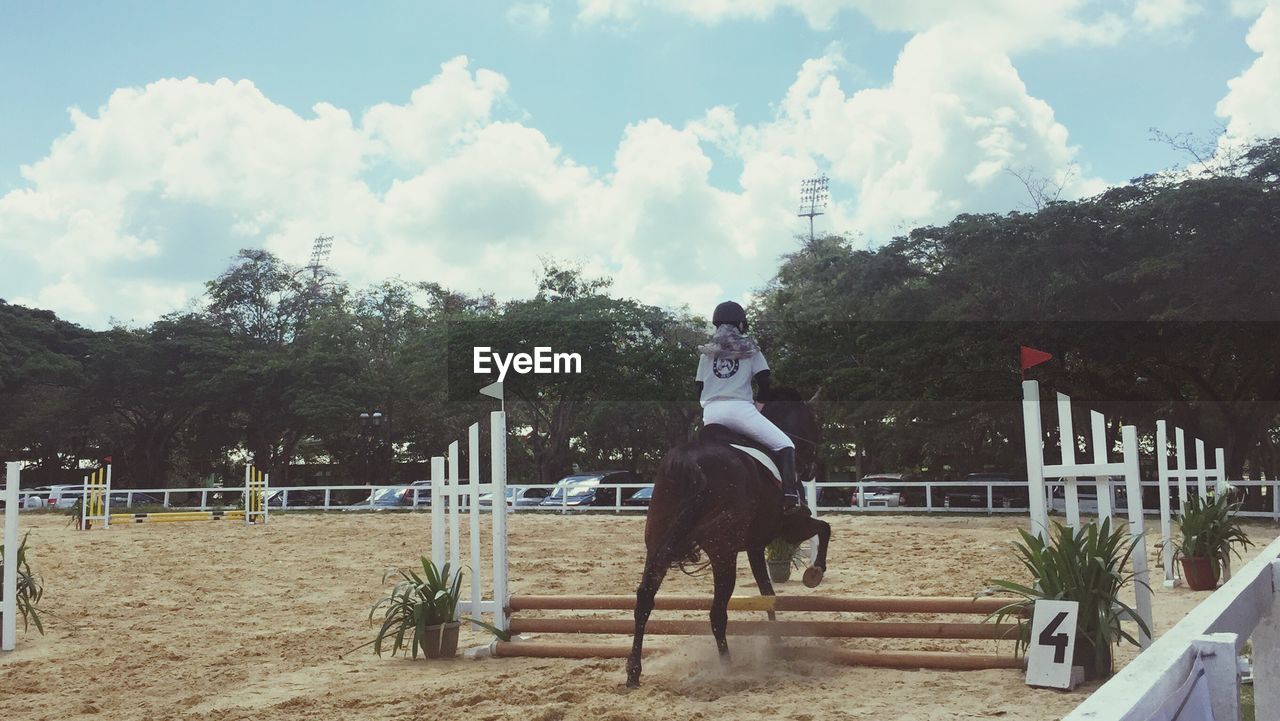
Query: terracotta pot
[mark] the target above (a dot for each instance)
(1200, 572)
(440, 641)
(779, 571)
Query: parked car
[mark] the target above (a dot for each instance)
(640, 498)
(583, 489)
(1003, 496)
(297, 498)
(887, 483)
(518, 496)
(121, 499)
(36, 498)
(65, 496)
(960, 496)
(1087, 495)
(878, 496)
(396, 497)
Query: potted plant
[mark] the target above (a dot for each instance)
(421, 613)
(423, 609)
(780, 556)
(1085, 566)
(1208, 532)
(29, 590)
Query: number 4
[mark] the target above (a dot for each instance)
(1058, 641)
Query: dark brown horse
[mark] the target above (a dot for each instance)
(712, 498)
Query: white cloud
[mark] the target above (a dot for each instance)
(1154, 15)
(532, 17)
(1009, 24)
(1251, 107)
(182, 169)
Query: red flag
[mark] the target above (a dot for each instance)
(1032, 357)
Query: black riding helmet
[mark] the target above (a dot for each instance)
(731, 313)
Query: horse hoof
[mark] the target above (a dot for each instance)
(812, 576)
(633, 683)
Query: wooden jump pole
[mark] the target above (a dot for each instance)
(812, 629)
(939, 660)
(865, 604)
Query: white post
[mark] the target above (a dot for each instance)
(1133, 487)
(1067, 442)
(437, 511)
(1218, 654)
(9, 604)
(84, 505)
(1166, 514)
(498, 470)
(1266, 655)
(1221, 486)
(473, 474)
(106, 501)
(454, 498)
(1101, 449)
(248, 497)
(1180, 454)
(1035, 458)
(1201, 472)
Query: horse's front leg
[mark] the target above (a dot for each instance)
(813, 574)
(760, 570)
(725, 573)
(655, 569)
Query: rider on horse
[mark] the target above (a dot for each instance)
(726, 367)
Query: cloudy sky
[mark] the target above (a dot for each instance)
(659, 142)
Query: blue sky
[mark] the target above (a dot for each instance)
(655, 141)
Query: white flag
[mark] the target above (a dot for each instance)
(493, 390)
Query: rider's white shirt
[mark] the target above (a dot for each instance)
(728, 379)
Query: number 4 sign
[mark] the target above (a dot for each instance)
(1053, 640)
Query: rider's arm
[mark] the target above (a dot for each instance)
(704, 371)
(698, 385)
(762, 385)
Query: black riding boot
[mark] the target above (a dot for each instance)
(792, 491)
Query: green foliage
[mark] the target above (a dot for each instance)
(1210, 528)
(779, 549)
(30, 589)
(1088, 567)
(417, 602)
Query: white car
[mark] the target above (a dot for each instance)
(518, 496)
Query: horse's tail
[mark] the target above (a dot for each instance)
(685, 486)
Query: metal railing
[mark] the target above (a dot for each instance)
(959, 497)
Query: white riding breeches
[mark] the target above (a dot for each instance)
(742, 417)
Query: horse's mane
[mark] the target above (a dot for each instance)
(784, 394)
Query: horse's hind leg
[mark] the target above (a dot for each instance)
(760, 570)
(725, 572)
(813, 574)
(656, 564)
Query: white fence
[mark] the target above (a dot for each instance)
(446, 516)
(1102, 468)
(9, 603)
(1213, 633)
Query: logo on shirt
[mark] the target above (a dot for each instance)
(724, 367)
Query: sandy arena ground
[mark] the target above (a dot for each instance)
(218, 621)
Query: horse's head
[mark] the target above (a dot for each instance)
(788, 410)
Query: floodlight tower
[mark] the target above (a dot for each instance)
(319, 254)
(813, 199)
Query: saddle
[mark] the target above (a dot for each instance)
(716, 433)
